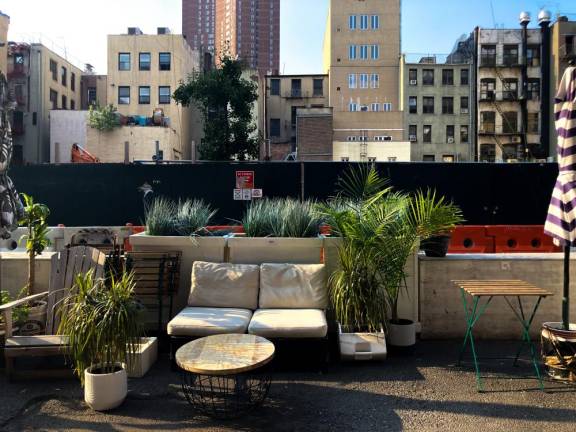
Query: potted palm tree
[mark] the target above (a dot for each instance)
(102, 323)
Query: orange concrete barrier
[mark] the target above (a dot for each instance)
(521, 238)
(471, 239)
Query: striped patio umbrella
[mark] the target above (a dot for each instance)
(11, 209)
(561, 219)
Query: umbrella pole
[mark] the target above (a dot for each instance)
(566, 294)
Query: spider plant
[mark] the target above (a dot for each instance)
(192, 216)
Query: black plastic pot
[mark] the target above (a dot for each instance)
(436, 246)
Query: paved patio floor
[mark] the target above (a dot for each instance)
(423, 392)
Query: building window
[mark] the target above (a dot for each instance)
(488, 55)
(375, 107)
(353, 107)
(447, 76)
(364, 81)
(427, 133)
(510, 122)
(124, 61)
(351, 138)
(447, 105)
(165, 60)
(428, 76)
(345, 159)
(64, 102)
(464, 105)
(450, 134)
(275, 87)
(375, 81)
(488, 153)
(274, 127)
(91, 97)
(533, 89)
(64, 76)
(413, 77)
(464, 76)
(413, 133)
(375, 22)
(363, 22)
(487, 122)
(487, 89)
(352, 22)
(352, 52)
(123, 95)
(413, 105)
(54, 99)
(448, 158)
(510, 89)
(72, 104)
(318, 87)
(296, 87)
(532, 123)
(464, 133)
(144, 95)
(375, 52)
(387, 106)
(428, 105)
(164, 95)
(363, 52)
(510, 56)
(54, 70)
(352, 81)
(72, 81)
(428, 158)
(533, 55)
(144, 61)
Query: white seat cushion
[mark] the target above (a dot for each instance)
(198, 321)
(289, 323)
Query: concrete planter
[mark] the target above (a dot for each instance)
(402, 334)
(361, 345)
(209, 249)
(258, 250)
(145, 356)
(103, 392)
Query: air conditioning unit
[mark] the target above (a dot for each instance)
(364, 108)
(412, 138)
(450, 140)
(134, 31)
(387, 138)
(464, 111)
(413, 82)
(163, 31)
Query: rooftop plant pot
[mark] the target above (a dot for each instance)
(258, 250)
(146, 355)
(436, 246)
(35, 323)
(356, 344)
(105, 391)
(402, 335)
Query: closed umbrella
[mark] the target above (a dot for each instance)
(11, 209)
(561, 219)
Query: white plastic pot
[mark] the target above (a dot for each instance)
(357, 345)
(104, 392)
(402, 334)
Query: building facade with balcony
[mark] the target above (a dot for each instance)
(438, 109)
(40, 81)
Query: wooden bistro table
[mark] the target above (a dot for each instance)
(222, 375)
(499, 288)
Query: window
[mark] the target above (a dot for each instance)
(487, 89)
(296, 87)
(64, 76)
(447, 76)
(294, 115)
(124, 61)
(533, 55)
(427, 134)
(364, 81)
(352, 81)
(144, 61)
(352, 52)
(428, 76)
(448, 158)
(392, 158)
(428, 105)
(54, 99)
(165, 60)
(91, 97)
(19, 93)
(488, 153)
(318, 87)
(413, 77)
(428, 158)
(488, 55)
(351, 138)
(72, 81)
(413, 105)
(363, 22)
(64, 102)
(510, 89)
(464, 76)
(375, 107)
(164, 95)
(510, 56)
(487, 122)
(275, 87)
(387, 106)
(352, 22)
(533, 89)
(450, 134)
(54, 70)
(532, 123)
(375, 81)
(413, 133)
(375, 22)
(375, 52)
(353, 107)
(345, 159)
(144, 95)
(274, 127)
(447, 105)
(363, 52)
(72, 104)
(464, 105)
(464, 133)
(510, 122)
(123, 95)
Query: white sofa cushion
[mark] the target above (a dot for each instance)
(293, 286)
(289, 323)
(198, 321)
(224, 285)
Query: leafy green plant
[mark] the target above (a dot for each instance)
(165, 217)
(160, 217)
(192, 216)
(102, 322)
(35, 221)
(19, 313)
(103, 118)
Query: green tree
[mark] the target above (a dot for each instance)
(225, 100)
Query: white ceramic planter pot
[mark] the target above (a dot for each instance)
(258, 250)
(361, 345)
(209, 249)
(35, 323)
(104, 392)
(402, 335)
(145, 356)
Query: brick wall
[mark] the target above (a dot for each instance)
(314, 135)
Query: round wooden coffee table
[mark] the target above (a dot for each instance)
(222, 375)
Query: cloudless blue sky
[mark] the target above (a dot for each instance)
(428, 26)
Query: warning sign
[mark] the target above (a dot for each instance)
(237, 194)
(256, 193)
(244, 179)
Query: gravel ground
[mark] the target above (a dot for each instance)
(423, 392)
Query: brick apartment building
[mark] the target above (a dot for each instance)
(198, 24)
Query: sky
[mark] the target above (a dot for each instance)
(78, 28)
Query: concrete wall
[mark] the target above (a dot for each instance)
(66, 128)
(4, 24)
(14, 272)
(387, 151)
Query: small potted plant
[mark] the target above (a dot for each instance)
(102, 323)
